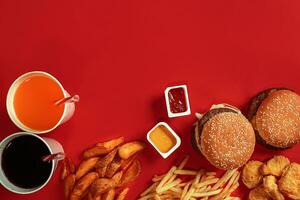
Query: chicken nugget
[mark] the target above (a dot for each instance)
(258, 193)
(289, 183)
(271, 188)
(275, 166)
(251, 175)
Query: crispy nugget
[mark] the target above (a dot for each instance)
(251, 175)
(258, 193)
(271, 187)
(275, 166)
(289, 183)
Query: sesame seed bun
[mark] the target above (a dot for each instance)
(277, 119)
(225, 137)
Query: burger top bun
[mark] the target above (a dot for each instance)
(227, 140)
(278, 119)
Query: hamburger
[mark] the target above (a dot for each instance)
(224, 136)
(275, 116)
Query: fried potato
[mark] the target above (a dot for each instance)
(82, 185)
(271, 188)
(251, 175)
(289, 183)
(68, 167)
(111, 144)
(130, 148)
(98, 198)
(126, 163)
(106, 160)
(112, 168)
(101, 186)
(258, 193)
(95, 151)
(123, 194)
(117, 177)
(85, 166)
(110, 195)
(131, 173)
(275, 166)
(101, 171)
(69, 184)
(89, 196)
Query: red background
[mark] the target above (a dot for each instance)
(119, 56)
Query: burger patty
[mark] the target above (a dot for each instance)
(205, 118)
(253, 106)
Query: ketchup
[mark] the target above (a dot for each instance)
(177, 100)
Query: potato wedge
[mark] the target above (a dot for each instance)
(106, 160)
(98, 197)
(102, 185)
(112, 168)
(101, 171)
(123, 194)
(95, 151)
(82, 185)
(131, 173)
(85, 166)
(111, 144)
(69, 184)
(74, 197)
(117, 177)
(126, 163)
(68, 167)
(131, 148)
(110, 195)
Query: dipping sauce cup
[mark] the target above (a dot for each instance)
(163, 139)
(22, 170)
(177, 101)
(31, 102)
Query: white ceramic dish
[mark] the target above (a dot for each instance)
(177, 138)
(188, 110)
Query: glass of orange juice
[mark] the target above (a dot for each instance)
(31, 102)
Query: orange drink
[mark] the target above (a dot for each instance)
(34, 102)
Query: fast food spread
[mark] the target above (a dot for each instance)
(275, 179)
(199, 185)
(104, 172)
(223, 135)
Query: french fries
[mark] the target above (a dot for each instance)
(202, 185)
(130, 148)
(103, 172)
